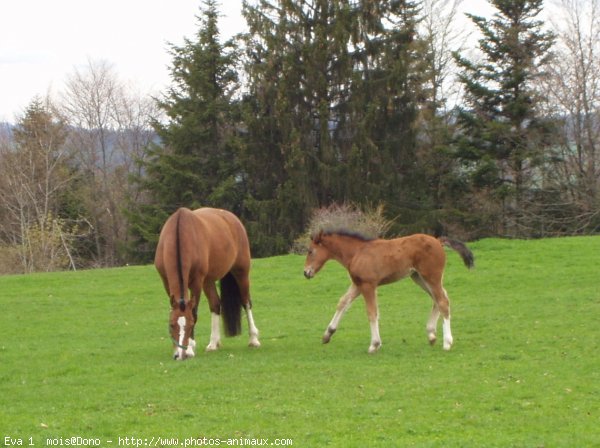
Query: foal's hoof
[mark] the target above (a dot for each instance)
(327, 336)
(432, 338)
(374, 347)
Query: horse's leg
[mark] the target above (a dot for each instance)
(369, 292)
(252, 330)
(210, 289)
(244, 285)
(435, 311)
(196, 289)
(343, 305)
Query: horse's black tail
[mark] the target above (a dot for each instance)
(461, 248)
(231, 305)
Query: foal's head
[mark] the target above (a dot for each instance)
(328, 244)
(181, 325)
(317, 255)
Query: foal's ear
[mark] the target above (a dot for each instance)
(317, 237)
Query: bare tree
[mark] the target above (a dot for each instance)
(573, 96)
(444, 36)
(34, 177)
(110, 127)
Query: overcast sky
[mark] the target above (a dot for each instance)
(43, 41)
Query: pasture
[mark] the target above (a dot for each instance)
(88, 354)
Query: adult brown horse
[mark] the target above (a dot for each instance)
(373, 262)
(195, 250)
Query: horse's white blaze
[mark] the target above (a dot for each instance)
(447, 334)
(181, 322)
(215, 333)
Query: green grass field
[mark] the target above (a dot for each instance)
(87, 354)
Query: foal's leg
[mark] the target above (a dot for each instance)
(443, 304)
(369, 292)
(210, 289)
(435, 311)
(343, 305)
(244, 285)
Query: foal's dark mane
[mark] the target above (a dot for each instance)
(345, 232)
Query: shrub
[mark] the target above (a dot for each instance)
(369, 222)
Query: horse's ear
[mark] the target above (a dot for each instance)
(178, 303)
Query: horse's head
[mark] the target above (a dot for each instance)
(317, 255)
(181, 325)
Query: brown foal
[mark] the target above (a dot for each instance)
(373, 262)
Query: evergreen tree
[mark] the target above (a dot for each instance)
(330, 110)
(503, 135)
(194, 163)
(290, 155)
(388, 82)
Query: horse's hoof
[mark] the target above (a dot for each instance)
(190, 351)
(432, 339)
(212, 347)
(254, 343)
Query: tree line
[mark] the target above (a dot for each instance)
(374, 103)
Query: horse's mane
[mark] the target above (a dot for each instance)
(343, 232)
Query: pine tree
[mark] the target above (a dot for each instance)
(194, 163)
(293, 64)
(503, 135)
(331, 108)
(387, 85)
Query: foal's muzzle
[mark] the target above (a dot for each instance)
(308, 273)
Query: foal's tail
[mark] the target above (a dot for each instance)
(231, 305)
(461, 248)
